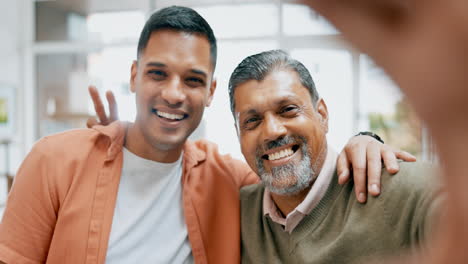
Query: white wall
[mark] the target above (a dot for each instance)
(11, 75)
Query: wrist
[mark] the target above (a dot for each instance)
(370, 134)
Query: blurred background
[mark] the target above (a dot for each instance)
(51, 50)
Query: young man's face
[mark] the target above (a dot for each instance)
(173, 82)
(282, 135)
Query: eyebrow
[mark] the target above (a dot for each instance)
(156, 64)
(280, 101)
(160, 64)
(199, 72)
(248, 112)
(286, 99)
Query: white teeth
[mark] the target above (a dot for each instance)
(280, 154)
(170, 116)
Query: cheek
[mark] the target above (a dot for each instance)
(198, 100)
(248, 148)
(142, 98)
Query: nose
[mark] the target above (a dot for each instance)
(272, 128)
(173, 93)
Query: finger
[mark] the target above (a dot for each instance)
(357, 157)
(374, 168)
(98, 106)
(390, 161)
(403, 155)
(91, 122)
(113, 111)
(342, 168)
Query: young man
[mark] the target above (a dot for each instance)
(300, 214)
(139, 192)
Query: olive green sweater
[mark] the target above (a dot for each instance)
(340, 229)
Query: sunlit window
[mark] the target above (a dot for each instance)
(115, 26)
(384, 110)
(109, 70)
(246, 20)
(299, 20)
(332, 74)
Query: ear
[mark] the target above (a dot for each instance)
(211, 92)
(323, 113)
(133, 74)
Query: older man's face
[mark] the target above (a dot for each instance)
(282, 135)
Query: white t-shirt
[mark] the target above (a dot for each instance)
(149, 224)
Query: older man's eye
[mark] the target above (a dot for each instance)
(289, 110)
(251, 123)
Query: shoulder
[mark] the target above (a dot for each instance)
(411, 195)
(252, 192)
(223, 161)
(414, 178)
(251, 200)
(210, 149)
(415, 183)
(67, 144)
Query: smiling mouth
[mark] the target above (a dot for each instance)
(281, 154)
(169, 116)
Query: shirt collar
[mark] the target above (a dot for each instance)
(115, 132)
(193, 154)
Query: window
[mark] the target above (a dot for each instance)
(384, 110)
(332, 74)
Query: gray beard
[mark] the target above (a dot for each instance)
(297, 176)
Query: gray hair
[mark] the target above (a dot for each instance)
(258, 66)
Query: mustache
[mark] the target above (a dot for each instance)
(286, 140)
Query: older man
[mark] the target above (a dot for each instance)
(299, 214)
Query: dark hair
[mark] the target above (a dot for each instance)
(178, 18)
(258, 66)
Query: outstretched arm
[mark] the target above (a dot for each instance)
(423, 46)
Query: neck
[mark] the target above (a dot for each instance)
(287, 203)
(138, 144)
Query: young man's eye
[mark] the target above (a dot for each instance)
(157, 74)
(194, 81)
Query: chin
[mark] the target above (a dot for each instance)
(168, 145)
(164, 142)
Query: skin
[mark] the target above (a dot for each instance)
(172, 75)
(422, 46)
(274, 108)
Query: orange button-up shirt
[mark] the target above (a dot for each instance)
(61, 205)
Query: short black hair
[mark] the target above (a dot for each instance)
(258, 66)
(178, 18)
